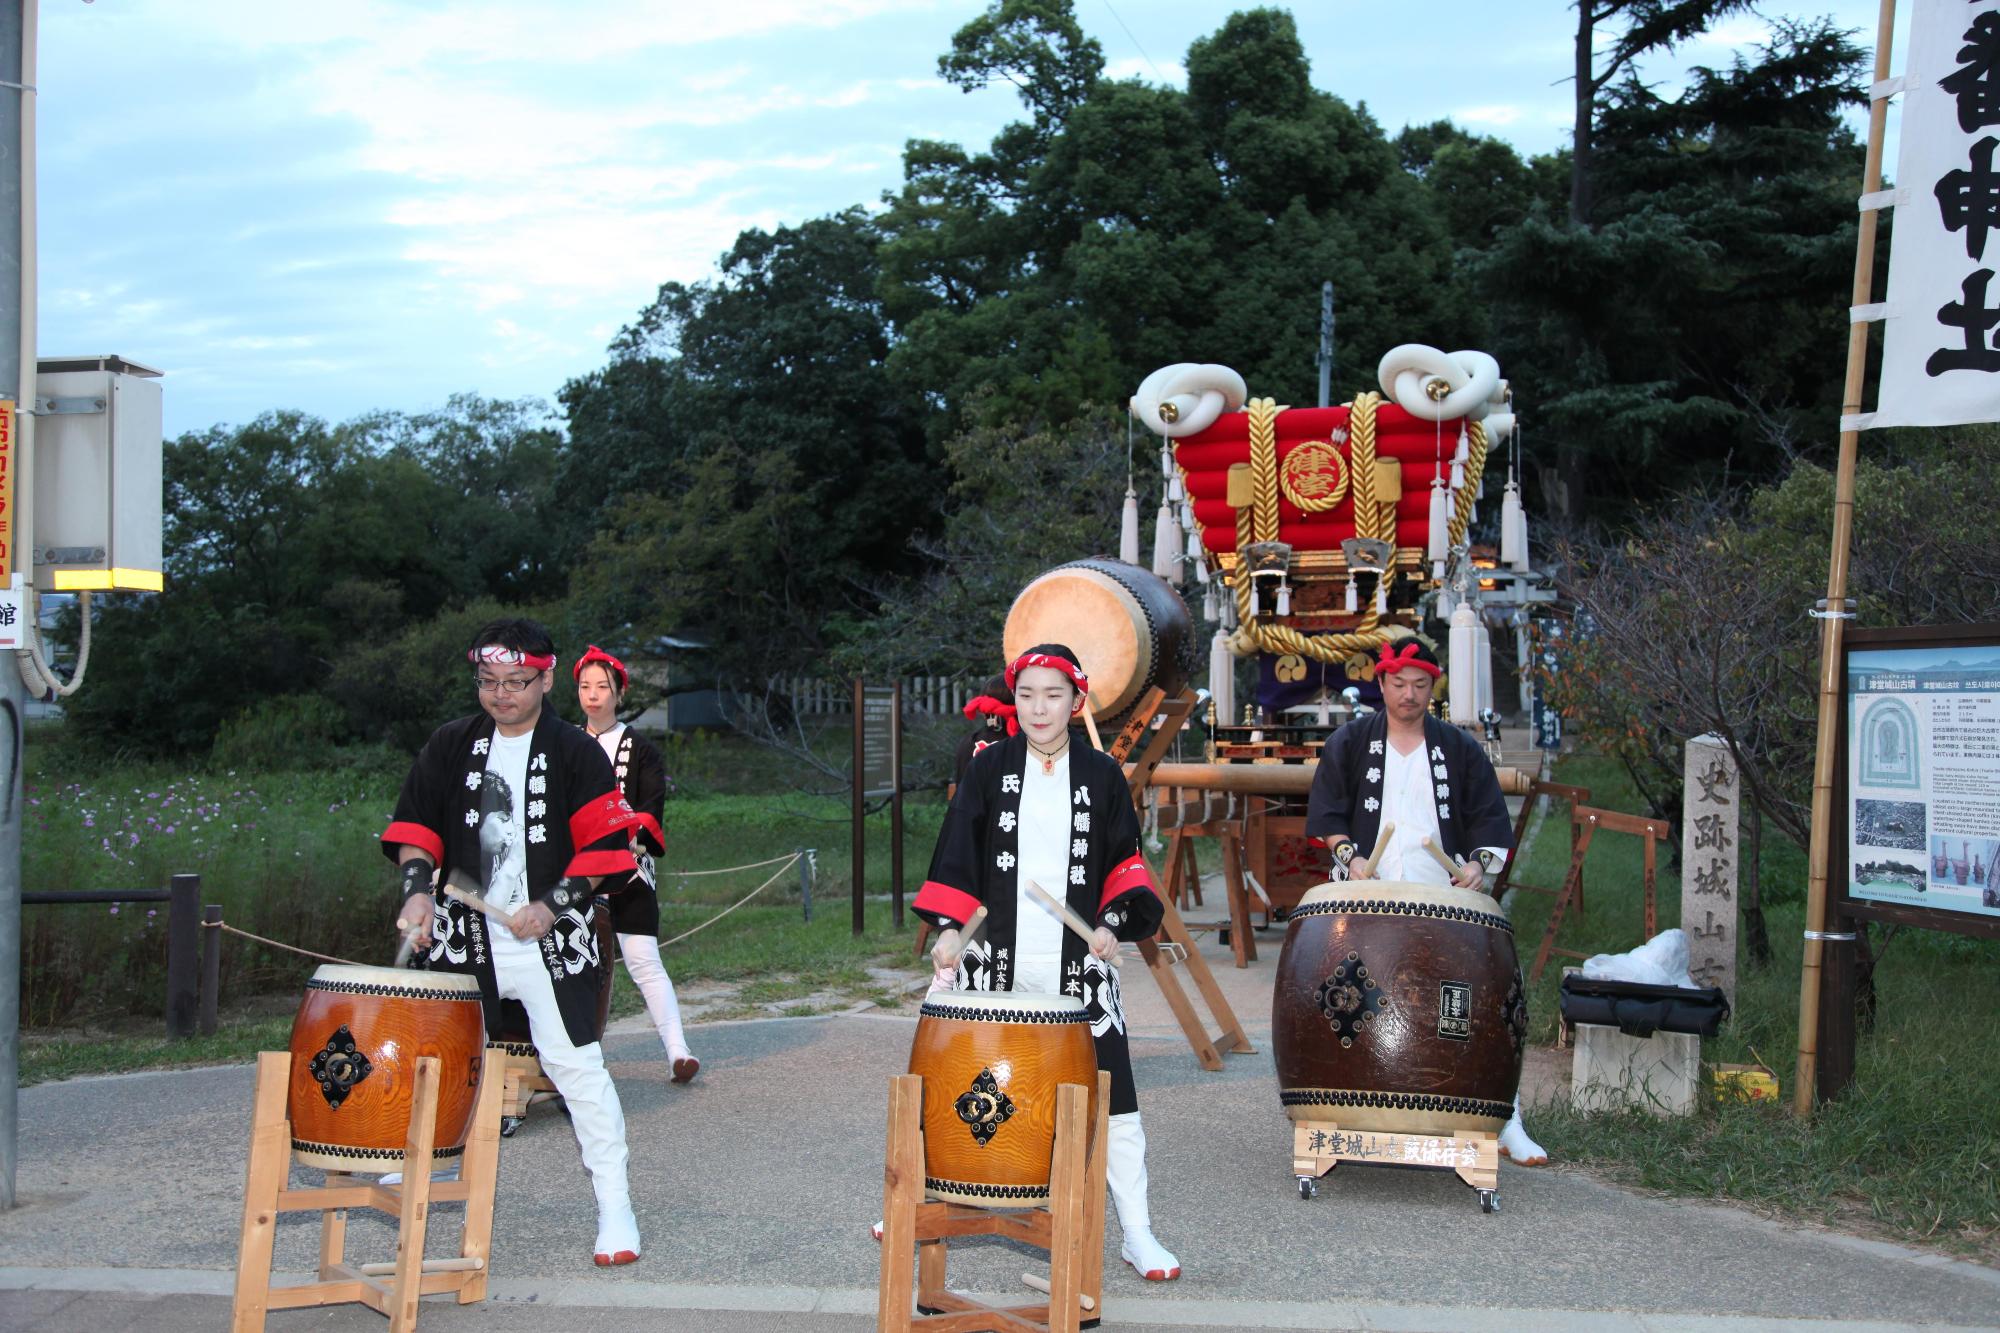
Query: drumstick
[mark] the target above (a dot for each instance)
(965, 934)
(1041, 1284)
(500, 914)
(1450, 867)
(1381, 842)
(1069, 918)
(1090, 725)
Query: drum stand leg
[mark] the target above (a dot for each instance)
(395, 1288)
(1071, 1228)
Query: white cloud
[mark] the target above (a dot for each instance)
(1499, 114)
(1138, 67)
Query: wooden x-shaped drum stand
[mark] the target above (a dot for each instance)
(916, 1233)
(392, 1288)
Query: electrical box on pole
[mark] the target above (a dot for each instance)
(98, 475)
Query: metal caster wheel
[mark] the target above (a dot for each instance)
(1489, 1201)
(1308, 1188)
(508, 1124)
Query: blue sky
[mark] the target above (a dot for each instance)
(338, 206)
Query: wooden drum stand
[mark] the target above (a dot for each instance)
(1070, 1228)
(393, 1288)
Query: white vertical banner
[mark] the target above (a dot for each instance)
(1941, 342)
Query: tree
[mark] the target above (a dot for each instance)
(1649, 26)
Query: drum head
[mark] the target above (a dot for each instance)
(1097, 617)
(1004, 1006)
(400, 980)
(1396, 890)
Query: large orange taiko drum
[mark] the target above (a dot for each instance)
(991, 1063)
(1398, 1007)
(1127, 625)
(356, 1041)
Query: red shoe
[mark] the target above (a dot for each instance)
(617, 1258)
(685, 1068)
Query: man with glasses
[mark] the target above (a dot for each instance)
(521, 808)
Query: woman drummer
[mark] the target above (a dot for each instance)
(601, 682)
(1035, 807)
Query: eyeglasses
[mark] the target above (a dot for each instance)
(502, 684)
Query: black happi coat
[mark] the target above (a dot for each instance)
(1346, 796)
(642, 776)
(580, 829)
(1109, 884)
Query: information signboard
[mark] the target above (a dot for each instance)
(1920, 800)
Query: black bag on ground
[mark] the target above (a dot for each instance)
(1639, 1009)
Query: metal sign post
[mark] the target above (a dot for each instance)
(878, 771)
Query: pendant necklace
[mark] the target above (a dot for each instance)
(1049, 757)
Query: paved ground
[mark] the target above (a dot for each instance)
(756, 1186)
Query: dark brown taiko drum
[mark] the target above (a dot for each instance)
(991, 1063)
(355, 1044)
(1399, 1007)
(1127, 625)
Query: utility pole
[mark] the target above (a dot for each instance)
(1326, 343)
(17, 381)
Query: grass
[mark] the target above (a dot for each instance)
(1911, 1151)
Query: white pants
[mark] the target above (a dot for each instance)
(577, 1071)
(642, 963)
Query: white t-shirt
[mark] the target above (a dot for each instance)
(503, 835)
(1044, 841)
(609, 740)
(1410, 803)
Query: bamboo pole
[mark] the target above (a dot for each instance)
(1806, 1076)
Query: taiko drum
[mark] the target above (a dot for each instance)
(1399, 1007)
(356, 1041)
(991, 1063)
(1127, 625)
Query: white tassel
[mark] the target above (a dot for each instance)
(1166, 460)
(1222, 676)
(1128, 529)
(1446, 604)
(1484, 649)
(1440, 529)
(1175, 492)
(1463, 454)
(1464, 669)
(1284, 599)
(1510, 517)
(1353, 602)
(1187, 517)
(1457, 474)
(1209, 608)
(1166, 545)
(1382, 597)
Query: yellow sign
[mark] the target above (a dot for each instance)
(8, 460)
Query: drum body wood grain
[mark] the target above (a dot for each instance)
(355, 1044)
(1127, 625)
(991, 1062)
(1399, 1007)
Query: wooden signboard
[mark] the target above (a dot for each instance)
(878, 771)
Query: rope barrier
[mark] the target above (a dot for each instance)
(289, 948)
(790, 861)
(726, 870)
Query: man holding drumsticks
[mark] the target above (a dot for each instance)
(517, 812)
(1422, 780)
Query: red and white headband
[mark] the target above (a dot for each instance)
(1393, 661)
(601, 658)
(1062, 664)
(493, 654)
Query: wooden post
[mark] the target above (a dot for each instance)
(269, 1167)
(183, 954)
(860, 815)
(1820, 850)
(902, 1191)
(1068, 1184)
(806, 884)
(211, 966)
(413, 1219)
(896, 810)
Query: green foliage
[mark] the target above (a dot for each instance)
(289, 730)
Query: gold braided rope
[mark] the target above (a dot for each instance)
(1361, 459)
(1264, 468)
(1475, 467)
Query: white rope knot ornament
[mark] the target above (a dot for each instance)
(1442, 386)
(1184, 399)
